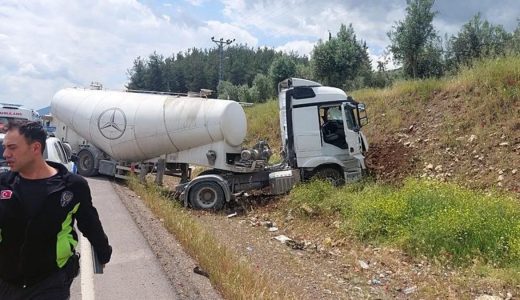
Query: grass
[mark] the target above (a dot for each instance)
(233, 277)
(490, 92)
(499, 76)
(424, 218)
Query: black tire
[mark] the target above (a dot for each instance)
(86, 164)
(333, 175)
(207, 195)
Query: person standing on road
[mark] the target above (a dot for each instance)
(39, 203)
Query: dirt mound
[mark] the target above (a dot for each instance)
(390, 161)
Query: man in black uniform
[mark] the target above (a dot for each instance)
(39, 203)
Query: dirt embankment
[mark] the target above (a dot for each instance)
(390, 161)
(448, 139)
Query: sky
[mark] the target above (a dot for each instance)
(49, 45)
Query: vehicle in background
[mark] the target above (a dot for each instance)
(3, 163)
(55, 151)
(10, 111)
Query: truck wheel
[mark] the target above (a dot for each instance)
(330, 174)
(207, 195)
(86, 164)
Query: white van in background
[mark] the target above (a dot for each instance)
(55, 151)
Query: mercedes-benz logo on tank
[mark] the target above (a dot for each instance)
(112, 123)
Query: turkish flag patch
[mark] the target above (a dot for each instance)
(6, 194)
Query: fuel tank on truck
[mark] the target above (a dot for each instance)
(136, 126)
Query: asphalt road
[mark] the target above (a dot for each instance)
(133, 272)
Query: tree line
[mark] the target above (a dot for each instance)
(252, 74)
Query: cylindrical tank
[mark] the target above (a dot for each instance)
(137, 126)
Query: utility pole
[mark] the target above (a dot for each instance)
(221, 43)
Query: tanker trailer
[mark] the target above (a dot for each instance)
(134, 127)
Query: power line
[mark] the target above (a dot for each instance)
(221, 43)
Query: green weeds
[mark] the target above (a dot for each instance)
(434, 219)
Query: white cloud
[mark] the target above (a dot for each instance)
(48, 45)
(225, 31)
(196, 2)
(300, 47)
(313, 19)
(384, 57)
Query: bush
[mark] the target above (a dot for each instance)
(241, 93)
(264, 87)
(226, 90)
(428, 218)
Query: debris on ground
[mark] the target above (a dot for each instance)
(200, 271)
(488, 297)
(290, 242)
(282, 238)
(232, 215)
(410, 290)
(363, 265)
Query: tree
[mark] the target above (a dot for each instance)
(282, 68)
(514, 43)
(226, 90)
(381, 77)
(195, 69)
(431, 62)
(412, 39)
(253, 95)
(304, 70)
(137, 75)
(477, 39)
(154, 77)
(342, 60)
(264, 88)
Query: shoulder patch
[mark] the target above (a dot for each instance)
(6, 194)
(66, 197)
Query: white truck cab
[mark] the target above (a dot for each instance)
(321, 130)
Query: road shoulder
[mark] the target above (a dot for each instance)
(177, 265)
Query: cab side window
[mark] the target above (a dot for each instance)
(331, 124)
(61, 154)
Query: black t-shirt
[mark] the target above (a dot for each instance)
(33, 193)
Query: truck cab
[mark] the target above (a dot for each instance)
(321, 130)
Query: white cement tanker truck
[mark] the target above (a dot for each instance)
(320, 126)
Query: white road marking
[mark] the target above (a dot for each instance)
(87, 270)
